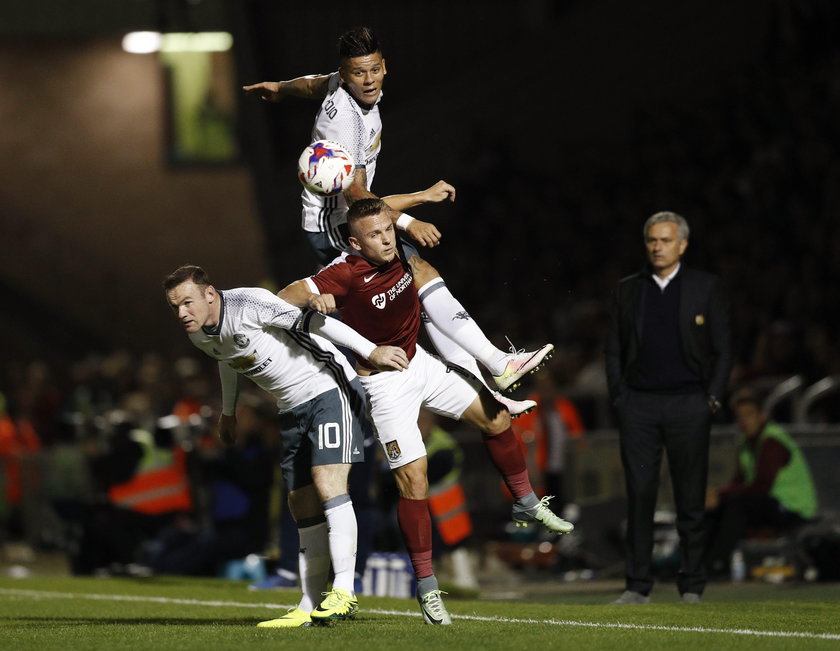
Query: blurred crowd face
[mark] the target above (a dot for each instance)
(194, 306)
(664, 248)
(750, 419)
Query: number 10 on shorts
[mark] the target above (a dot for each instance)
(329, 436)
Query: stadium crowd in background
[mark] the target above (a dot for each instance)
(757, 170)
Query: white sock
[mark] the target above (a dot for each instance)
(343, 536)
(450, 317)
(453, 353)
(313, 564)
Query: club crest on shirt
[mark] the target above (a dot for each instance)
(392, 449)
(241, 340)
(379, 301)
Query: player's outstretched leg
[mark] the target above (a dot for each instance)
(449, 316)
(295, 618)
(519, 364)
(431, 605)
(454, 354)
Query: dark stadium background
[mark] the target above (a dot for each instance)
(563, 125)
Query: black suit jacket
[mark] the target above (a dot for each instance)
(705, 330)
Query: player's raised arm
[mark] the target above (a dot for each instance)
(425, 233)
(300, 294)
(308, 87)
(297, 293)
(440, 191)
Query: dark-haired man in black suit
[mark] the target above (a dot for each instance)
(668, 357)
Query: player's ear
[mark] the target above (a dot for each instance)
(384, 69)
(210, 294)
(354, 243)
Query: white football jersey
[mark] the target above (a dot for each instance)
(359, 130)
(259, 336)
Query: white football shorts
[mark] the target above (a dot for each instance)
(395, 399)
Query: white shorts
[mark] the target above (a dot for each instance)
(395, 399)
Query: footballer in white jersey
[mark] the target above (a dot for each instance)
(323, 410)
(259, 336)
(358, 127)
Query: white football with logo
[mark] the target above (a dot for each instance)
(325, 167)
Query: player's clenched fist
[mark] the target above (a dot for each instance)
(423, 232)
(323, 303)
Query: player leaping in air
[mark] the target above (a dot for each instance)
(374, 289)
(349, 114)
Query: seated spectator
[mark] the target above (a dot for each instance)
(772, 486)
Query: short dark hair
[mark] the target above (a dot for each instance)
(357, 42)
(365, 208)
(187, 272)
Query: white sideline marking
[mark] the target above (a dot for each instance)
(44, 594)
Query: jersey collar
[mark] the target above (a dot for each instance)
(217, 329)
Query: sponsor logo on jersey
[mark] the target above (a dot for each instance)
(400, 286)
(367, 279)
(379, 301)
(240, 363)
(241, 341)
(392, 449)
(461, 315)
(259, 368)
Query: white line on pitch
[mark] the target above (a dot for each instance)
(44, 594)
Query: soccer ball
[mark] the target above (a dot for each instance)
(325, 167)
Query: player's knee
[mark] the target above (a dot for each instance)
(498, 422)
(412, 484)
(304, 502)
(496, 416)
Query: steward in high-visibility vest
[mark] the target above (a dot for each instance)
(792, 485)
(159, 485)
(772, 489)
(446, 496)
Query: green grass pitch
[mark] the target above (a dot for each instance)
(208, 614)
